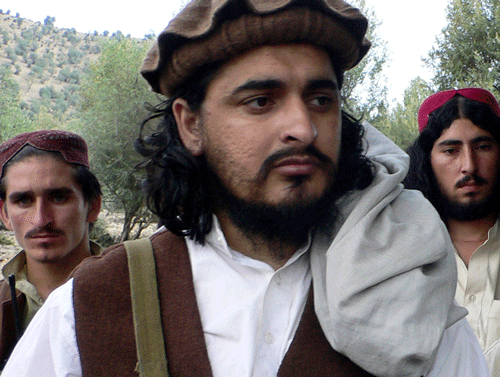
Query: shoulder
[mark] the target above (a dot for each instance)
(113, 260)
(105, 263)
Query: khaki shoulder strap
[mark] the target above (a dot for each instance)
(152, 360)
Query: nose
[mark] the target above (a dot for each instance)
(468, 161)
(43, 215)
(298, 126)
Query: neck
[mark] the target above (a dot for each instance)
(467, 236)
(47, 276)
(274, 253)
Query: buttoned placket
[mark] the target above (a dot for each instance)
(478, 283)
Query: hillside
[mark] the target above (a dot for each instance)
(47, 63)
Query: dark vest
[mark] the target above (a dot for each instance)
(104, 323)
(7, 322)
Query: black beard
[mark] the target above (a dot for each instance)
(466, 212)
(449, 209)
(281, 224)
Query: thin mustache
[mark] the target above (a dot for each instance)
(465, 180)
(45, 230)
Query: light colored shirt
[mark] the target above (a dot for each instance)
(249, 314)
(478, 289)
(249, 311)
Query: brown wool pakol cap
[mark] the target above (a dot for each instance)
(209, 31)
(71, 146)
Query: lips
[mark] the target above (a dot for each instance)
(46, 237)
(297, 165)
(469, 185)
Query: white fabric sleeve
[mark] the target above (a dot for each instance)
(459, 354)
(48, 347)
(492, 356)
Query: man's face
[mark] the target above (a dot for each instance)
(270, 125)
(45, 208)
(465, 161)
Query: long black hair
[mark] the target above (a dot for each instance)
(421, 176)
(177, 182)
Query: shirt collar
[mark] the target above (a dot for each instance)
(15, 265)
(217, 241)
(493, 232)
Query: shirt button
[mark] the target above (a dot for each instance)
(269, 338)
(278, 279)
(472, 298)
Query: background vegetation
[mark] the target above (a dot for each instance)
(89, 84)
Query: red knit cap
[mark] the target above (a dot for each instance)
(437, 100)
(71, 146)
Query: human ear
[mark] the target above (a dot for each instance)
(94, 209)
(188, 125)
(4, 215)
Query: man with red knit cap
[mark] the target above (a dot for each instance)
(48, 198)
(455, 162)
(289, 247)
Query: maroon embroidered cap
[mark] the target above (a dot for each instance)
(71, 146)
(437, 100)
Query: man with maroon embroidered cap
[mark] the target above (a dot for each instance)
(288, 247)
(48, 198)
(455, 162)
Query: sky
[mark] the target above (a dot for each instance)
(409, 27)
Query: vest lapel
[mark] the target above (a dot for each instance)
(310, 354)
(184, 339)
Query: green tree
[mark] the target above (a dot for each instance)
(365, 89)
(12, 119)
(467, 53)
(401, 125)
(113, 97)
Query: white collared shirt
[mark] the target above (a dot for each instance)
(249, 311)
(249, 319)
(478, 289)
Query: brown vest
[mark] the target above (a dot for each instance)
(7, 322)
(104, 323)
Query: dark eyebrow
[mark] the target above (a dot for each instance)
(258, 85)
(476, 140)
(59, 190)
(271, 84)
(16, 196)
(450, 142)
(322, 84)
(480, 139)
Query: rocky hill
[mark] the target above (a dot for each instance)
(48, 63)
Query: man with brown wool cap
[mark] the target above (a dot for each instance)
(288, 247)
(48, 198)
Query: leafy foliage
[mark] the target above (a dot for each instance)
(12, 118)
(112, 108)
(401, 125)
(467, 52)
(364, 89)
